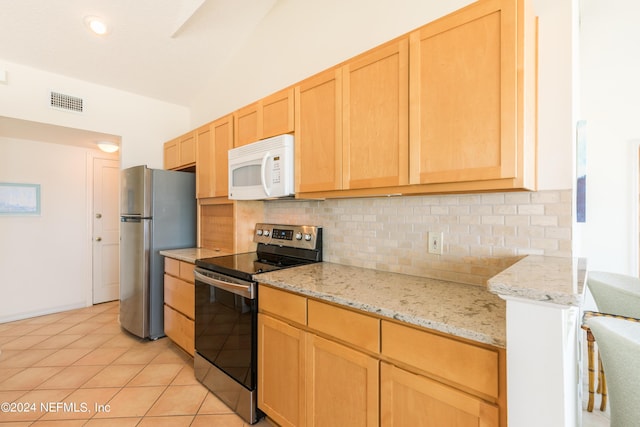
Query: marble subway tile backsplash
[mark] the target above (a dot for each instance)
(482, 233)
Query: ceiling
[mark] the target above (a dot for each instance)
(163, 49)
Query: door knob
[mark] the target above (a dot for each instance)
(98, 239)
(98, 215)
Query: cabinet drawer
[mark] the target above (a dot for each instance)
(355, 328)
(177, 268)
(283, 304)
(172, 266)
(180, 295)
(186, 271)
(180, 329)
(456, 361)
(410, 399)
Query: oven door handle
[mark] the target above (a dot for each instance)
(245, 290)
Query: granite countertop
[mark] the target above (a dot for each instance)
(464, 311)
(543, 278)
(192, 254)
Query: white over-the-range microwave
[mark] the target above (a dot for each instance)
(262, 170)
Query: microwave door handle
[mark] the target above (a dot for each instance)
(263, 170)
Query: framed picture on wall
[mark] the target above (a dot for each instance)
(19, 199)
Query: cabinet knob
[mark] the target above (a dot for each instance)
(98, 215)
(98, 239)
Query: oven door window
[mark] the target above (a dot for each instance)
(224, 325)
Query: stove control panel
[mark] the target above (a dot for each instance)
(295, 236)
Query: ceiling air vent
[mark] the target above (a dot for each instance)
(67, 102)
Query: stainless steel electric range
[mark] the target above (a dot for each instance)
(226, 310)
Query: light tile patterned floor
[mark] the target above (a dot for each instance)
(78, 368)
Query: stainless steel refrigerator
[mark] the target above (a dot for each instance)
(158, 211)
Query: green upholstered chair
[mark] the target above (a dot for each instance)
(619, 345)
(617, 295)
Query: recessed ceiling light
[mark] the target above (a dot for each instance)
(96, 25)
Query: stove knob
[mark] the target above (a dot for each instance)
(259, 232)
(298, 236)
(307, 237)
(266, 233)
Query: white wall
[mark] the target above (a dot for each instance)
(302, 37)
(45, 260)
(143, 123)
(610, 69)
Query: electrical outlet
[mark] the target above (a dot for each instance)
(435, 242)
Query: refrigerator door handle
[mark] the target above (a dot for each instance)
(133, 218)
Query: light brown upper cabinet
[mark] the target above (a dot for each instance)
(352, 123)
(473, 98)
(318, 137)
(204, 169)
(214, 140)
(277, 114)
(171, 154)
(180, 153)
(271, 116)
(222, 130)
(246, 125)
(375, 118)
(449, 107)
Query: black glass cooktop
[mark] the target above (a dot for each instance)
(244, 265)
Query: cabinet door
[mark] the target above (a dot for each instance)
(171, 154)
(464, 112)
(342, 385)
(187, 148)
(205, 166)
(318, 133)
(408, 399)
(277, 114)
(179, 295)
(281, 371)
(247, 125)
(375, 118)
(222, 130)
(179, 329)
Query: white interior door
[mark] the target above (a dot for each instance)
(106, 230)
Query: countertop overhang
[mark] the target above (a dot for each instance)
(193, 254)
(543, 279)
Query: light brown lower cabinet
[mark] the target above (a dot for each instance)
(320, 364)
(281, 371)
(179, 329)
(306, 380)
(342, 385)
(179, 303)
(409, 399)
